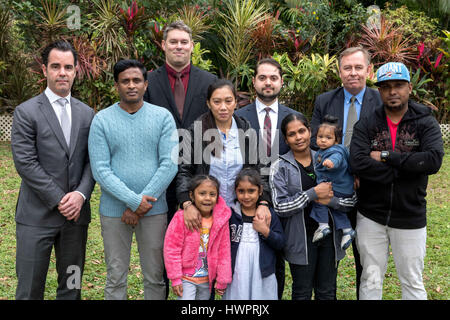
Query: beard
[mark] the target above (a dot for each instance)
(267, 98)
(396, 108)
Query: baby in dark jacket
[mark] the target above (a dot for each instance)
(331, 165)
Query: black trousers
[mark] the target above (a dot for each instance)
(352, 216)
(319, 275)
(33, 250)
(280, 272)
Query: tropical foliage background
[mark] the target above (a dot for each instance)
(305, 36)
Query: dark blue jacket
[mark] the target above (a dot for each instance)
(267, 247)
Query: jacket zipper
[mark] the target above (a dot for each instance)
(392, 183)
(303, 210)
(390, 204)
(303, 216)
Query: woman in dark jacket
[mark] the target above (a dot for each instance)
(219, 143)
(293, 183)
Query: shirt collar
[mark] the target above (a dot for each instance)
(53, 97)
(261, 106)
(173, 73)
(233, 132)
(359, 97)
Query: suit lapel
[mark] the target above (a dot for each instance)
(252, 117)
(193, 80)
(53, 122)
(366, 105)
(76, 119)
(164, 87)
(338, 106)
(282, 113)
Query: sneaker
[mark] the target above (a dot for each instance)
(319, 234)
(347, 238)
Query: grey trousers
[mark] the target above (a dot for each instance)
(117, 240)
(33, 250)
(408, 250)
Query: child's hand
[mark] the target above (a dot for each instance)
(328, 163)
(178, 290)
(220, 292)
(260, 225)
(263, 212)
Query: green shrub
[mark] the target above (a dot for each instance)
(414, 24)
(304, 80)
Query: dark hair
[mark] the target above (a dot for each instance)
(123, 65)
(269, 61)
(198, 180)
(292, 117)
(220, 83)
(208, 121)
(251, 175)
(61, 45)
(333, 122)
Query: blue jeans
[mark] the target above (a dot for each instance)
(192, 291)
(319, 213)
(320, 273)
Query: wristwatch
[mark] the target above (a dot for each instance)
(384, 156)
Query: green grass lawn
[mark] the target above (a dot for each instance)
(437, 261)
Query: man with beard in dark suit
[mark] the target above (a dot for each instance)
(265, 116)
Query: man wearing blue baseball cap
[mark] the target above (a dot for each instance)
(393, 150)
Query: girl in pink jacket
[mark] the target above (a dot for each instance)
(194, 259)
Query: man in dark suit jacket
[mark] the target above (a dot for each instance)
(163, 86)
(354, 67)
(179, 87)
(266, 111)
(49, 143)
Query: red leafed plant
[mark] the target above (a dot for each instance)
(157, 35)
(265, 36)
(424, 57)
(387, 43)
(89, 65)
(131, 20)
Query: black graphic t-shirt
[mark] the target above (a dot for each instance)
(308, 182)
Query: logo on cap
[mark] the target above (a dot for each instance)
(392, 71)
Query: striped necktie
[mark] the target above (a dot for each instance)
(267, 131)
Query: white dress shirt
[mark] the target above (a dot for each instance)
(273, 114)
(53, 97)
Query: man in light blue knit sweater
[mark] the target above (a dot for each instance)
(133, 149)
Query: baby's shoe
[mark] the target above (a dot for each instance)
(347, 238)
(321, 233)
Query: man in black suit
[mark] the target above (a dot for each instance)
(178, 86)
(49, 142)
(265, 116)
(348, 103)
